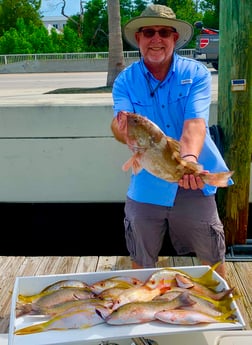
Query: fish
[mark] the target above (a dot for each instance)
(116, 281)
(137, 294)
(187, 283)
(140, 312)
(167, 276)
(60, 296)
(62, 284)
(158, 153)
(81, 318)
(202, 303)
(51, 298)
(111, 294)
(190, 317)
(71, 305)
(66, 283)
(32, 298)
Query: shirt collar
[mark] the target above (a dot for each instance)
(171, 70)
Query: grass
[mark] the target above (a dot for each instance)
(100, 89)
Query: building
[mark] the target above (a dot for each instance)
(58, 22)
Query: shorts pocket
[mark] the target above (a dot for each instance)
(129, 237)
(218, 237)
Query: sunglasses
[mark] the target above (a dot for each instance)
(164, 33)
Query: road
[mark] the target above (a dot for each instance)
(25, 84)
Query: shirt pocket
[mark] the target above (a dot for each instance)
(142, 106)
(180, 93)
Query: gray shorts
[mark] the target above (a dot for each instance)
(193, 223)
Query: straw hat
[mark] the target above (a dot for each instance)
(158, 15)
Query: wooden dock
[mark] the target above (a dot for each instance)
(239, 275)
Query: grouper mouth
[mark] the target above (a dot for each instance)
(122, 119)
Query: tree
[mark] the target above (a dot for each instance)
(116, 58)
(210, 9)
(95, 26)
(11, 10)
(90, 25)
(76, 20)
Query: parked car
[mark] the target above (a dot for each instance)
(207, 45)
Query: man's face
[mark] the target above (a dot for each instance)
(156, 43)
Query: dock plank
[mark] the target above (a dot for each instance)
(239, 275)
(87, 264)
(106, 263)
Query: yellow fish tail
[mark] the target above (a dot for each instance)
(32, 298)
(31, 329)
(227, 317)
(207, 278)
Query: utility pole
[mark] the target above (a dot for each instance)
(235, 114)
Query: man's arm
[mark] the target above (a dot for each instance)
(191, 141)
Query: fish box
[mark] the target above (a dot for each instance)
(30, 285)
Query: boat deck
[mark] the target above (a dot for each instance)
(239, 275)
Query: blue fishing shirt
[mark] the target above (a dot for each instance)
(184, 94)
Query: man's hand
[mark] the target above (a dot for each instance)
(192, 182)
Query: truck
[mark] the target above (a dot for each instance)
(207, 45)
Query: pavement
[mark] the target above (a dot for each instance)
(39, 99)
(31, 89)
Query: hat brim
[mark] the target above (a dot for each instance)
(184, 29)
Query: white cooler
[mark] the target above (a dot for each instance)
(194, 338)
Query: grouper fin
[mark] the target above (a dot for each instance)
(133, 162)
(217, 179)
(173, 144)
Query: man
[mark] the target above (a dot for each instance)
(175, 93)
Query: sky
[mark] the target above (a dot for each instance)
(53, 7)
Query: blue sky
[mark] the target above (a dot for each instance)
(53, 7)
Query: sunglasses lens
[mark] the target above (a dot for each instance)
(162, 32)
(148, 32)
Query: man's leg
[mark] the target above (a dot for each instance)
(220, 269)
(195, 227)
(145, 227)
(135, 265)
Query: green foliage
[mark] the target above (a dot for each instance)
(25, 39)
(11, 10)
(70, 41)
(95, 26)
(87, 31)
(210, 9)
(11, 43)
(30, 39)
(162, 2)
